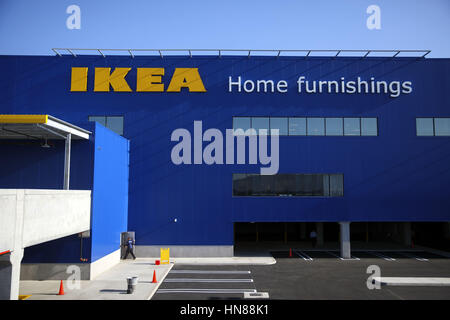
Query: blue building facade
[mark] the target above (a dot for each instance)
(389, 170)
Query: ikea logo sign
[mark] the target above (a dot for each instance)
(147, 80)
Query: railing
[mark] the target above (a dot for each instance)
(277, 53)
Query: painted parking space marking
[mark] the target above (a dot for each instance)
(406, 254)
(193, 290)
(303, 255)
(412, 281)
(339, 257)
(210, 272)
(206, 280)
(380, 255)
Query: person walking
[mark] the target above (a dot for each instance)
(130, 246)
(313, 237)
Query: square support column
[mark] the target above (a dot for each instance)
(407, 234)
(319, 228)
(10, 275)
(303, 230)
(345, 240)
(447, 230)
(67, 161)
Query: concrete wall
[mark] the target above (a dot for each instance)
(59, 271)
(7, 219)
(29, 217)
(103, 264)
(46, 214)
(52, 271)
(185, 251)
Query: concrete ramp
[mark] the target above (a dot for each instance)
(30, 217)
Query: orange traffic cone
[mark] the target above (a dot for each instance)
(61, 289)
(154, 277)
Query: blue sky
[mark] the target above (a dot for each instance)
(34, 27)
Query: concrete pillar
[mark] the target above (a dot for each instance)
(447, 230)
(407, 233)
(67, 161)
(10, 275)
(345, 240)
(319, 231)
(10, 262)
(303, 230)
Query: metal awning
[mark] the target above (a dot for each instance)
(38, 127)
(42, 127)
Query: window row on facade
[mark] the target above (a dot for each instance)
(309, 126)
(296, 185)
(433, 126)
(113, 123)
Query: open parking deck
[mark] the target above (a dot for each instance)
(388, 255)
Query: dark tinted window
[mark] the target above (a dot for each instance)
(300, 185)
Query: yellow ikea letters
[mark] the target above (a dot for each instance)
(147, 80)
(150, 80)
(78, 81)
(104, 79)
(187, 78)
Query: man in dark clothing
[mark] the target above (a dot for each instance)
(129, 245)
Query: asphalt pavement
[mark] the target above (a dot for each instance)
(310, 275)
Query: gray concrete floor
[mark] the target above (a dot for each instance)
(110, 285)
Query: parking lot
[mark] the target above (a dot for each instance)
(310, 274)
(206, 282)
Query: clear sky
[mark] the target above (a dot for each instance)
(34, 27)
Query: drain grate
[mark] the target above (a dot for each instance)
(256, 295)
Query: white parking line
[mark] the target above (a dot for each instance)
(380, 255)
(352, 257)
(413, 256)
(209, 272)
(205, 280)
(303, 255)
(412, 281)
(205, 290)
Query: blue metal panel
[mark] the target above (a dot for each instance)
(395, 176)
(25, 164)
(109, 193)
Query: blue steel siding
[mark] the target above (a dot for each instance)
(30, 166)
(26, 165)
(109, 192)
(393, 177)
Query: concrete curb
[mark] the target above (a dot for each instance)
(160, 281)
(226, 261)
